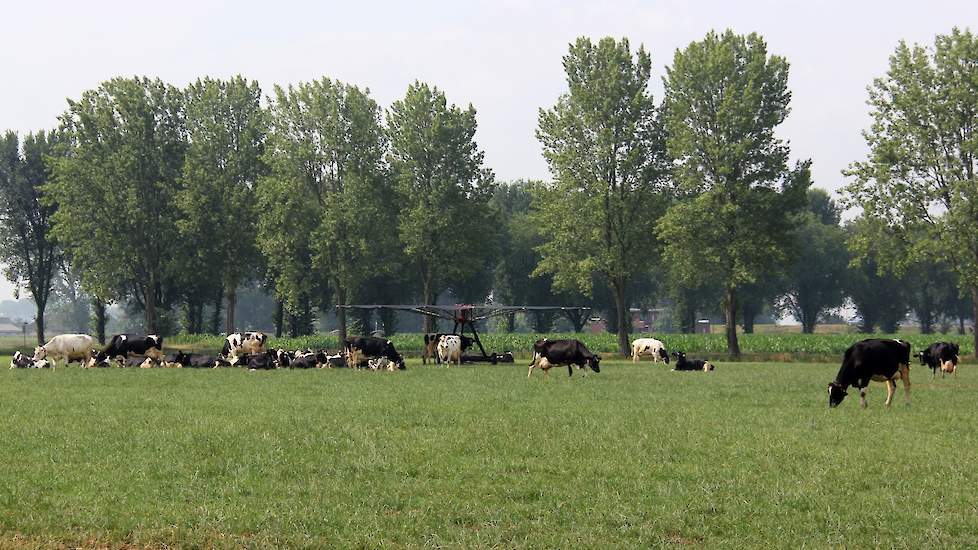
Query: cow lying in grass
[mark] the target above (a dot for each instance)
(691, 364)
(883, 360)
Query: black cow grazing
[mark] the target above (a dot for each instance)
(243, 343)
(874, 359)
(431, 346)
(358, 348)
(21, 361)
(691, 364)
(940, 355)
(132, 345)
(552, 353)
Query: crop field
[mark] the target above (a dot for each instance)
(824, 344)
(479, 456)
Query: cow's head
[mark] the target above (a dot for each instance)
(680, 356)
(708, 366)
(40, 353)
(664, 355)
(836, 394)
(594, 362)
(922, 355)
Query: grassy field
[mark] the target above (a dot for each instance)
(479, 456)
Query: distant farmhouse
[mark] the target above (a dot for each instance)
(8, 327)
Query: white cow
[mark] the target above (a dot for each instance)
(649, 346)
(450, 349)
(71, 347)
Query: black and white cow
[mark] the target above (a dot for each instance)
(431, 346)
(691, 364)
(283, 358)
(305, 360)
(199, 361)
(882, 360)
(21, 361)
(132, 345)
(262, 361)
(552, 353)
(940, 355)
(179, 359)
(243, 343)
(360, 348)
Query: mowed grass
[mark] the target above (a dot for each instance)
(479, 456)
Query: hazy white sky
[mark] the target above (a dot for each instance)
(502, 56)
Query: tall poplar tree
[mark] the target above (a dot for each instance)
(724, 98)
(116, 188)
(326, 208)
(442, 187)
(919, 182)
(226, 127)
(604, 146)
(31, 257)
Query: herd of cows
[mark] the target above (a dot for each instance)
(882, 360)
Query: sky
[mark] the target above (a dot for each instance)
(502, 56)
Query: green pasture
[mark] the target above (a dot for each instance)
(479, 456)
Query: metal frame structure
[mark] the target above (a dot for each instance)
(465, 316)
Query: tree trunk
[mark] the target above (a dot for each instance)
(427, 299)
(279, 317)
(621, 307)
(341, 312)
(974, 305)
(150, 303)
(730, 310)
(961, 326)
(216, 315)
(39, 323)
(232, 297)
(511, 323)
(749, 315)
(100, 319)
(577, 318)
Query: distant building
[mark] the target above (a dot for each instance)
(8, 327)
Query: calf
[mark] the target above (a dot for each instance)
(942, 355)
(132, 345)
(246, 343)
(360, 347)
(651, 347)
(450, 349)
(71, 347)
(551, 353)
(21, 361)
(882, 360)
(691, 364)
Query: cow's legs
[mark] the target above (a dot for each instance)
(906, 383)
(890, 388)
(634, 355)
(529, 372)
(862, 396)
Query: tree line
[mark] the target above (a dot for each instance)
(169, 200)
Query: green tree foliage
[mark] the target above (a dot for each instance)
(116, 190)
(815, 281)
(879, 296)
(31, 257)
(442, 188)
(325, 208)
(226, 126)
(918, 183)
(605, 151)
(724, 98)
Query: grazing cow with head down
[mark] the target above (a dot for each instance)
(243, 343)
(551, 353)
(132, 345)
(71, 347)
(882, 360)
(940, 355)
(450, 349)
(359, 348)
(651, 347)
(683, 364)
